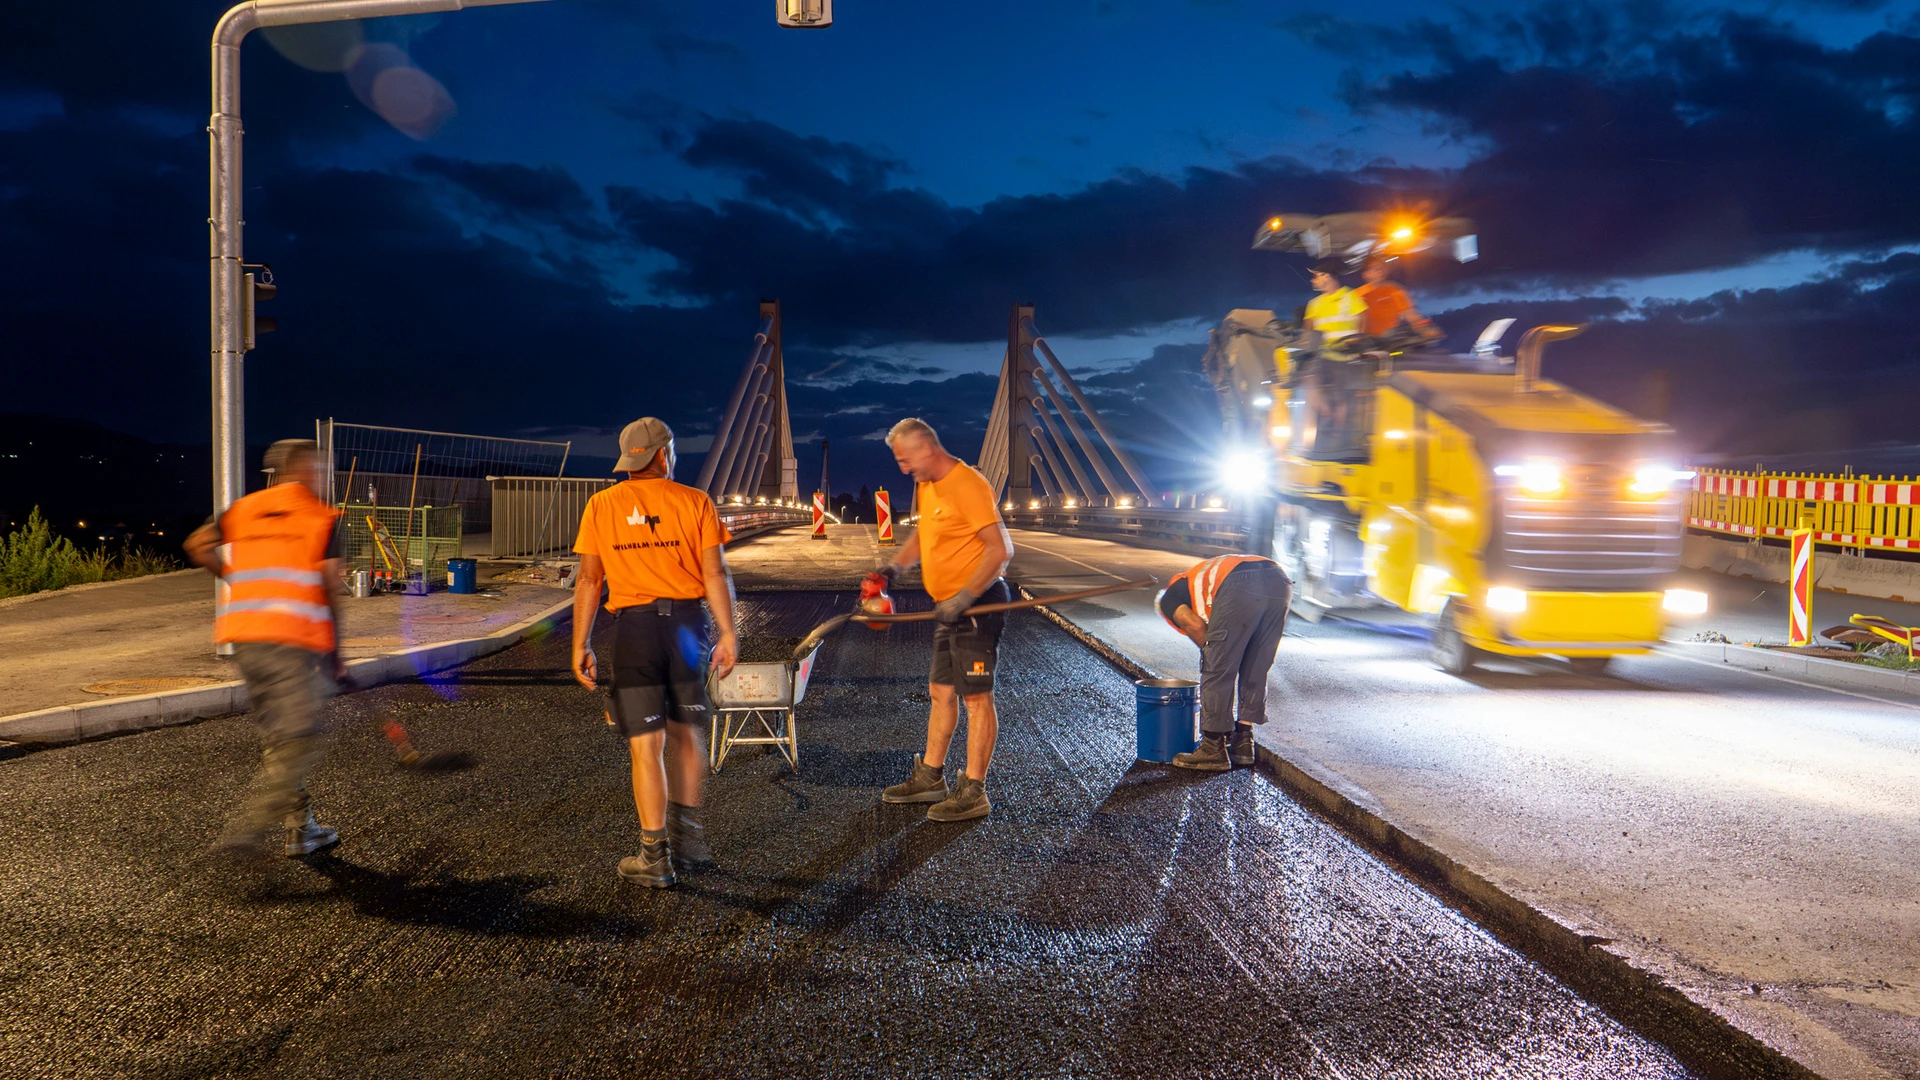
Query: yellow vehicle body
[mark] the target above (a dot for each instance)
(1431, 496)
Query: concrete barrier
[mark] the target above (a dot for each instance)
(1887, 579)
(93, 719)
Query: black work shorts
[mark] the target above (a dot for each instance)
(964, 653)
(659, 666)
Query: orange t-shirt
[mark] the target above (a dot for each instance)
(1386, 302)
(651, 534)
(953, 510)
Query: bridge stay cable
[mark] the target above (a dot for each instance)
(1060, 441)
(1059, 451)
(752, 451)
(1056, 475)
(721, 433)
(1133, 470)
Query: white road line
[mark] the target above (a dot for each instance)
(1077, 562)
(1724, 666)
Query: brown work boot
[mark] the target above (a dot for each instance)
(968, 801)
(1240, 749)
(687, 838)
(927, 783)
(653, 867)
(1209, 756)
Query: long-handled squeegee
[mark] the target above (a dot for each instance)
(819, 633)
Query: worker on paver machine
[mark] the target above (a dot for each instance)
(1235, 608)
(274, 552)
(962, 547)
(657, 546)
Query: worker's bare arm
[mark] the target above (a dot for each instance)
(586, 604)
(203, 547)
(719, 586)
(993, 561)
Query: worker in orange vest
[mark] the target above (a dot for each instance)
(1235, 608)
(1388, 305)
(275, 553)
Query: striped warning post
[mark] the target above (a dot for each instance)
(883, 509)
(819, 515)
(1800, 606)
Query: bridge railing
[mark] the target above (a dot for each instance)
(1204, 525)
(1862, 512)
(539, 516)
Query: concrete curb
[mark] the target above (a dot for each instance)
(71, 723)
(1833, 674)
(1703, 1040)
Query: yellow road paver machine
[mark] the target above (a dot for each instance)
(1520, 517)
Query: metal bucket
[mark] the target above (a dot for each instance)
(1167, 717)
(461, 574)
(363, 583)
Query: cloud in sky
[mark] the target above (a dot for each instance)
(1604, 146)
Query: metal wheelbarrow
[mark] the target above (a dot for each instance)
(763, 694)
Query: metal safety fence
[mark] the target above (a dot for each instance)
(1207, 530)
(425, 538)
(1862, 512)
(397, 466)
(539, 516)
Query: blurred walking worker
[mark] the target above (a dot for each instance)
(275, 553)
(1235, 608)
(962, 548)
(657, 547)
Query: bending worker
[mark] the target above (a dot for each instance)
(1235, 608)
(657, 546)
(275, 552)
(962, 548)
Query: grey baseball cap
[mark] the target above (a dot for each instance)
(639, 441)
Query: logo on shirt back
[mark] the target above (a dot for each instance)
(650, 521)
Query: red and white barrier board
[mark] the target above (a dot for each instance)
(1800, 603)
(883, 509)
(819, 515)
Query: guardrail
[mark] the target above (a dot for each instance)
(1206, 530)
(1862, 512)
(539, 516)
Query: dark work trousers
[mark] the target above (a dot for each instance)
(1243, 632)
(285, 691)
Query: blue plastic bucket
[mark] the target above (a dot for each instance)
(461, 574)
(1167, 715)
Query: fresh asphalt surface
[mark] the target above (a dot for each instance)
(1109, 919)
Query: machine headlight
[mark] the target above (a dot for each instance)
(1656, 479)
(1244, 470)
(1685, 602)
(1502, 598)
(1537, 477)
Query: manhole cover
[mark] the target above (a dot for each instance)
(125, 687)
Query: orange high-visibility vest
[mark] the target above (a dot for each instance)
(275, 570)
(1204, 581)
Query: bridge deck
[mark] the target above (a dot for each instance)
(1107, 920)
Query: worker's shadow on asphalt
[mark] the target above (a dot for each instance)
(498, 906)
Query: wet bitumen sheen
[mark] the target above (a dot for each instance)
(1109, 919)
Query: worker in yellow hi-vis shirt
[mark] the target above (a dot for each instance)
(962, 548)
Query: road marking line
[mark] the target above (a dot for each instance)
(1077, 562)
(1797, 682)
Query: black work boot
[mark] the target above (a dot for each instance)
(1240, 750)
(1209, 756)
(968, 801)
(653, 867)
(687, 837)
(927, 783)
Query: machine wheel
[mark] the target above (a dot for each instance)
(1451, 653)
(1590, 665)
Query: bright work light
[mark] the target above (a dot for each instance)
(1536, 477)
(1244, 470)
(1655, 479)
(1502, 598)
(1685, 602)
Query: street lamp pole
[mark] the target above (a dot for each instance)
(224, 219)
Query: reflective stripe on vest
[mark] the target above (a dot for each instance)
(274, 586)
(1205, 580)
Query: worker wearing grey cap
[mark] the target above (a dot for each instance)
(656, 547)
